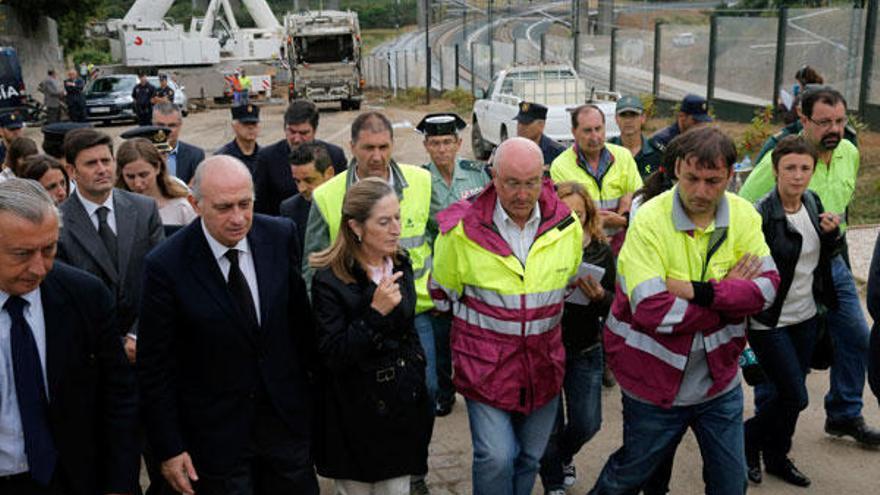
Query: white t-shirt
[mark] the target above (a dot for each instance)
(799, 304)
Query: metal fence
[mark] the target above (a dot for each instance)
(747, 57)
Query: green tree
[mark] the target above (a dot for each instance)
(71, 15)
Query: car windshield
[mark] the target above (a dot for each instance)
(112, 85)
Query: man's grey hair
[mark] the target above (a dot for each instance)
(166, 108)
(27, 199)
(214, 161)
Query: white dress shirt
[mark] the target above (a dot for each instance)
(519, 239)
(245, 263)
(13, 459)
(92, 211)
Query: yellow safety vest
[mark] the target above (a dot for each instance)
(415, 207)
(621, 178)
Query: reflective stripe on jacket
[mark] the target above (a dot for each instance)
(650, 332)
(506, 337)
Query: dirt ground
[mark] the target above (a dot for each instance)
(835, 466)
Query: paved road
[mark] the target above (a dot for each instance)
(836, 466)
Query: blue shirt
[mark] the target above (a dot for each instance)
(13, 459)
(171, 161)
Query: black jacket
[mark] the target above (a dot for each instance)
(375, 418)
(874, 309)
(188, 159)
(93, 402)
(203, 368)
(582, 325)
(785, 247)
(297, 209)
(273, 182)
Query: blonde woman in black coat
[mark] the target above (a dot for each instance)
(375, 414)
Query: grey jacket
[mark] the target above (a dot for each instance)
(53, 91)
(138, 230)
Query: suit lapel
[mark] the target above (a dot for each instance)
(126, 220)
(207, 272)
(81, 228)
(262, 253)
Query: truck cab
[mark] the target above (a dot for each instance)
(557, 86)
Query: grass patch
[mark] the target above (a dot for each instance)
(374, 37)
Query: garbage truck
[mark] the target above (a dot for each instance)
(323, 55)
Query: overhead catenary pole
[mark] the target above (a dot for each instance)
(427, 53)
(491, 45)
(780, 53)
(713, 53)
(868, 57)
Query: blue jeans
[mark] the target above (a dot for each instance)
(850, 334)
(651, 433)
(508, 447)
(583, 409)
(445, 388)
(784, 354)
(425, 328)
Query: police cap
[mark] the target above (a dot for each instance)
(155, 134)
(246, 114)
(11, 120)
(441, 124)
(530, 112)
(53, 136)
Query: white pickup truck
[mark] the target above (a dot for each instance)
(556, 86)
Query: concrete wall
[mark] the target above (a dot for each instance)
(36, 44)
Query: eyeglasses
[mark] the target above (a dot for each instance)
(445, 143)
(828, 123)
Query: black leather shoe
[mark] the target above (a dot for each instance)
(855, 428)
(444, 407)
(786, 471)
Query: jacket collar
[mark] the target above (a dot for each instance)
(777, 212)
(475, 214)
(398, 181)
(682, 221)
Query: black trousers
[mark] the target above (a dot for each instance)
(274, 462)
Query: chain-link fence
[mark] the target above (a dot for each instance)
(727, 55)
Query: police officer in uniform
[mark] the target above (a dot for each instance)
(155, 134)
(452, 178)
(76, 101)
(530, 123)
(692, 112)
(630, 116)
(164, 92)
(246, 125)
(11, 127)
(143, 94)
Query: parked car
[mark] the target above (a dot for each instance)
(556, 86)
(108, 98)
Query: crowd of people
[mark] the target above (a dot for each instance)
(248, 321)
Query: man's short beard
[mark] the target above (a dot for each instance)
(827, 147)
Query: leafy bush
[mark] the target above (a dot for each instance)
(91, 55)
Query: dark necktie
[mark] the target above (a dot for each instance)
(239, 289)
(107, 236)
(33, 404)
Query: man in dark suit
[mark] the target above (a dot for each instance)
(310, 166)
(184, 157)
(225, 334)
(68, 409)
(272, 178)
(107, 232)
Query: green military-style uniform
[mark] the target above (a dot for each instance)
(468, 178)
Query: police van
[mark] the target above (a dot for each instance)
(12, 93)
